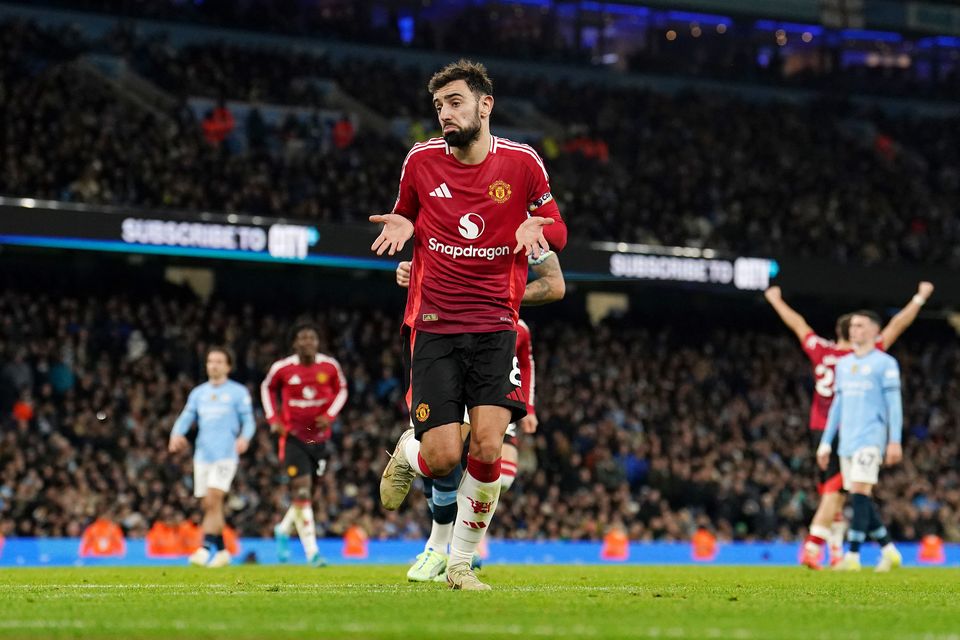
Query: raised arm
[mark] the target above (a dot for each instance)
(899, 323)
(796, 322)
(549, 285)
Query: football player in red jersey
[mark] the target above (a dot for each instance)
(827, 523)
(480, 205)
(313, 391)
(431, 563)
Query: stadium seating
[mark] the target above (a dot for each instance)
(824, 178)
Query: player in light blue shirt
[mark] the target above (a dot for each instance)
(223, 412)
(868, 411)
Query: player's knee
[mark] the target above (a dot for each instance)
(301, 493)
(486, 449)
(441, 457)
(212, 503)
(441, 466)
(441, 461)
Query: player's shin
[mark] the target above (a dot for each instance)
(860, 522)
(307, 531)
(476, 503)
(838, 531)
(288, 523)
(876, 529)
(444, 510)
(508, 473)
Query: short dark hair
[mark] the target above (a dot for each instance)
(218, 349)
(867, 313)
(302, 326)
(473, 73)
(843, 326)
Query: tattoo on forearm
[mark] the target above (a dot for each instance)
(536, 291)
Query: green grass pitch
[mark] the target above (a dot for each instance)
(528, 601)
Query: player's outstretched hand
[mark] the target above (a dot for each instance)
(322, 422)
(925, 290)
(403, 273)
(823, 456)
(278, 428)
(894, 454)
(529, 423)
(241, 445)
(395, 233)
(773, 294)
(530, 238)
(177, 444)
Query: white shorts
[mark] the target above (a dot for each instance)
(862, 466)
(213, 475)
(511, 428)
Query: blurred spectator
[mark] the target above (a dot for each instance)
(103, 539)
(343, 133)
(218, 124)
(172, 535)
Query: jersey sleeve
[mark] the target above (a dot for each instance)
(338, 382)
(814, 346)
(269, 388)
(526, 365)
(891, 376)
(894, 401)
(245, 411)
(540, 202)
(408, 202)
(187, 417)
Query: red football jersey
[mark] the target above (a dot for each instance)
(824, 355)
(307, 391)
(465, 277)
(528, 382)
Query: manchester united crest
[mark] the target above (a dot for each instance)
(499, 191)
(322, 378)
(423, 412)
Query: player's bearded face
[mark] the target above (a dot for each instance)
(464, 135)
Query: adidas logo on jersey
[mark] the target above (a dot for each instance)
(442, 191)
(294, 379)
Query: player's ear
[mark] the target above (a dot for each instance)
(486, 106)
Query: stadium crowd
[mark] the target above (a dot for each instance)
(738, 51)
(817, 179)
(660, 431)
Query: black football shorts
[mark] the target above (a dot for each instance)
(448, 373)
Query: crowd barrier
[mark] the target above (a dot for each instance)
(62, 552)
